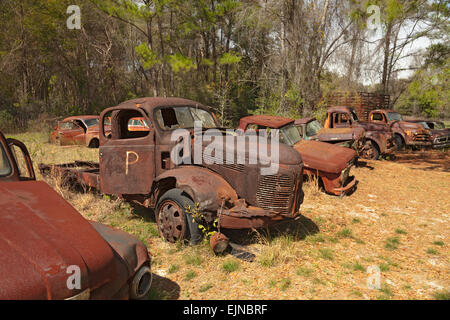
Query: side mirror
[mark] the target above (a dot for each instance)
(22, 158)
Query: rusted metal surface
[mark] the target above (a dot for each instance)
(412, 134)
(219, 242)
(138, 167)
(41, 235)
(379, 136)
(347, 137)
(264, 121)
(323, 160)
(79, 130)
(440, 134)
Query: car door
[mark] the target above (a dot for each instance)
(127, 158)
(69, 133)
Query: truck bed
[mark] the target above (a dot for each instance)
(86, 174)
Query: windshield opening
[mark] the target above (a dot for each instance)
(183, 118)
(91, 122)
(425, 125)
(313, 128)
(5, 166)
(394, 116)
(290, 134)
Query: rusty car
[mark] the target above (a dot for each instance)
(331, 164)
(138, 166)
(77, 130)
(440, 134)
(406, 134)
(44, 241)
(379, 137)
(138, 124)
(311, 129)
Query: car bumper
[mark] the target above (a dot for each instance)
(351, 183)
(242, 216)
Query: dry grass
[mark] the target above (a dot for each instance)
(403, 203)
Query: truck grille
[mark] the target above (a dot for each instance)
(422, 137)
(276, 192)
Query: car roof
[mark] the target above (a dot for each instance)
(266, 121)
(81, 117)
(304, 121)
(151, 103)
(340, 109)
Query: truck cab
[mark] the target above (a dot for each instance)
(379, 137)
(407, 134)
(139, 166)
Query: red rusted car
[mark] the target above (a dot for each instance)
(311, 129)
(49, 251)
(330, 163)
(139, 166)
(406, 134)
(138, 124)
(78, 130)
(440, 134)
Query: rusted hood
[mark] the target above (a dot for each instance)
(41, 236)
(251, 147)
(333, 134)
(324, 156)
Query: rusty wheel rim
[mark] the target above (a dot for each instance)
(369, 152)
(171, 222)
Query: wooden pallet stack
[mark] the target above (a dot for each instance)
(362, 102)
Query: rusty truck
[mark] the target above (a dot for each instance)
(331, 164)
(46, 245)
(379, 137)
(138, 166)
(406, 133)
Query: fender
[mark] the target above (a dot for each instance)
(375, 137)
(205, 187)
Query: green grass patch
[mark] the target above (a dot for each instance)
(205, 287)
(326, 254)
(432, 251)
(305, 272)
(173, 268)
(356, 220)
(345, 233)
(316, 238)
(193, 259)
(392, 243)
(190, 275)
(285, 284)
(442, 295)
(400, 231)
(438, 243)
(158, 294)
(230, 265)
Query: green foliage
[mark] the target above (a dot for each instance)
(148, 58)
(230, 265)
(178, 62)
(230, 58)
